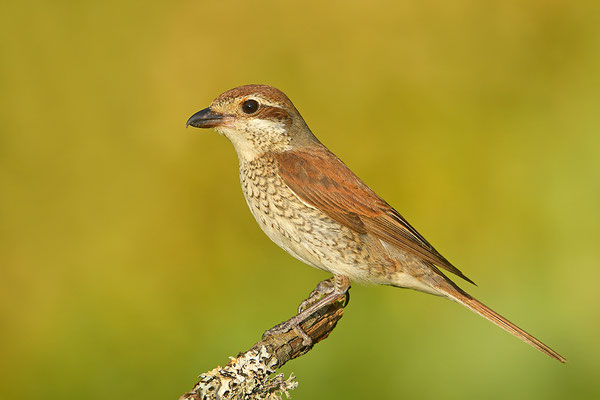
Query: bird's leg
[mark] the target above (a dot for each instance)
(325, 293)
(323, 288)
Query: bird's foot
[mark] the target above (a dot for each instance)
(323, 288)
(324, 294)
(291, 324)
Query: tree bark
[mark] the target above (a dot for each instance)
(248, 376)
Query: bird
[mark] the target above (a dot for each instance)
(313, 206)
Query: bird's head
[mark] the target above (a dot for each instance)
(256, 119)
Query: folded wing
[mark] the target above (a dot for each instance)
(322, 180)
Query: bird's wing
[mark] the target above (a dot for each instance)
(322, 180)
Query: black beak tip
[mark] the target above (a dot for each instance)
(204, 119)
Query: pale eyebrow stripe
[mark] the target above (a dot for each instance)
(265, 102)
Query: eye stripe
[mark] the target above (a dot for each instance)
(274, 113)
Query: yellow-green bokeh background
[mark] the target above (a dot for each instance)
(129, 263)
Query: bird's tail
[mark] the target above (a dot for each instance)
(489, 314)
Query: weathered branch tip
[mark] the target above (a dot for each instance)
(248, 376)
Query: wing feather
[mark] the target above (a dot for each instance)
(322, 180)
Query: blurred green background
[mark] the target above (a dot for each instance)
(130, 264)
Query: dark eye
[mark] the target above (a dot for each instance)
(250, 106)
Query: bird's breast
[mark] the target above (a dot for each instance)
(303, 231)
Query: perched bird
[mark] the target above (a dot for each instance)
(313, 206)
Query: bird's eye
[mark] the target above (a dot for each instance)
(250, 106)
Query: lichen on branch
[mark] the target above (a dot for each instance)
(249, 375)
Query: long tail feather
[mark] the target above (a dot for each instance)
(489, 314)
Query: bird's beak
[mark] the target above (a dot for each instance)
(205, 119)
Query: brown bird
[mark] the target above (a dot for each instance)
(313, 206)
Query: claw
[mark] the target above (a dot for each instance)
(325, 293)
(323, 288)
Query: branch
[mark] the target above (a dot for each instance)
(248, 375)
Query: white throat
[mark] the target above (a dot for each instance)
(255, 136)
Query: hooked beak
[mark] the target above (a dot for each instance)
(205, 119)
